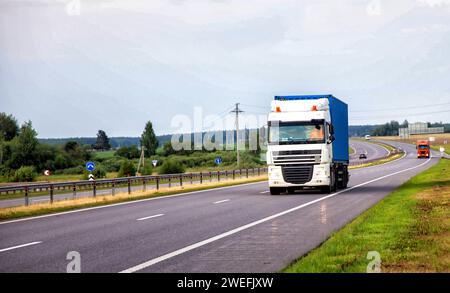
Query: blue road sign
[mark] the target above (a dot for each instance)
(218, 160)
(90, 166)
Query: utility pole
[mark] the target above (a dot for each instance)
(237, 111)
(141, 160)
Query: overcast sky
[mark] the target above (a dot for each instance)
(73, 67)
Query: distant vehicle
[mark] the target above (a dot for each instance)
(423, 149)
(367, 137)
(308, 144)
(363, 157)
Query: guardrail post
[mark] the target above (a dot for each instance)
(170, 182)
(74, 190)
(113, 189)
(94, 190)
(27, 200)
(201, 177)
(51, 193)
(191, 179)
(210, 177)
(259, 171)
(144, 187)
(181, 180)
(129, 186)
(218, 176)
(234, 174)
(246, 173)
(157, 183)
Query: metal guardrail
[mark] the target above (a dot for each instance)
(86, 185)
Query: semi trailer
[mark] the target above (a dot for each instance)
(308, 144)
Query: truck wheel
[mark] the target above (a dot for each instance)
(275, 191)
(333, 184)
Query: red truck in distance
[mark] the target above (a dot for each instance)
(423, 149)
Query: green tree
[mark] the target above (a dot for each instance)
(149, 140)
(127, 169)
(131, 152)
(23, 147)
(8, 127)
(102, 142)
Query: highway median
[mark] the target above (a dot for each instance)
(409, 229)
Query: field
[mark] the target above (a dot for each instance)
(409, 229)
(440, 140)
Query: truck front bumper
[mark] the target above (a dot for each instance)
(320, 177)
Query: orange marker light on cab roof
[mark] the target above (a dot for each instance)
(278, 110)
(314, 108)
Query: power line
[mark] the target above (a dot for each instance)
(389, 116)
(402, 108)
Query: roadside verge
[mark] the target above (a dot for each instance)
(409, 229)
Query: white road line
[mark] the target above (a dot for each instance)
(20, 246)
(151, 217)
(221, 201)
(39, 200)
(130, 202)
(267, 191)
(239, 229)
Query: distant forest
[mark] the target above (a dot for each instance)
(388, 129)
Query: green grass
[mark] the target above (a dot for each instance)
(104, 155)
(409, 228)
(351, 151)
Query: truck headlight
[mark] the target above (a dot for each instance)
(274, 173)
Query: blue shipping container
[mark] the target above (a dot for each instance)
(339, 119)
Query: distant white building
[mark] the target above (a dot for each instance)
(419, 128)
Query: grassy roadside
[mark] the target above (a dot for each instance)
(410, 229)
(68, 205)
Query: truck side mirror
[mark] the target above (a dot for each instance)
(332, 139)
(331, 129)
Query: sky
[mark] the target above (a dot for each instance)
(75, 66)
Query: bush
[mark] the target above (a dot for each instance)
(113, 164)
(147, 169)
(127, 169)
(99, 172)
(172, 167)
(25, 174)
(131, 152)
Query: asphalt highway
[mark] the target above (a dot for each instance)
(234, 229)
(373, 152)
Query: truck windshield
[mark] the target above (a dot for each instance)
(296, 132)
(423, 147)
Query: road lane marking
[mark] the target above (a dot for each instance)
(20, 246)
(245, 227)
(39, 200)
(131, 202)
(151, 217)
(267, 191)
(221, 201)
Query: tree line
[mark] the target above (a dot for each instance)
(22, 156)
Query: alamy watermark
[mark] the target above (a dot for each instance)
(74, 265)
(374, 265)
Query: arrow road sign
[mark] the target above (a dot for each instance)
(155, 162)
(91, 177)
(90, 166)
(47, 172)
(218, 160)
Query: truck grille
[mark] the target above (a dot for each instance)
(286, 158)
(298, 174)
